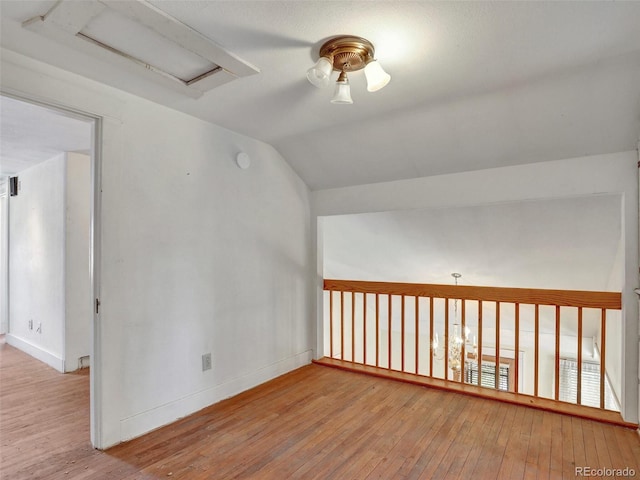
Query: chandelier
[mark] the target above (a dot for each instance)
(346, 54)
(458, 343)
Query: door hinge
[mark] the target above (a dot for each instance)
(97, 305)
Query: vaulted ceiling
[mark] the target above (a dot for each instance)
(474, 84)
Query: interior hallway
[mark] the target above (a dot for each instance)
(315, 422)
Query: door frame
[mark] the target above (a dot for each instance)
(95, 252)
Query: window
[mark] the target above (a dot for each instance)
(590, 385)
(488, 378)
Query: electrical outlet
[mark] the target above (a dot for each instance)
(206, 362)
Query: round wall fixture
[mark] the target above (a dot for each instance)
(243, 160)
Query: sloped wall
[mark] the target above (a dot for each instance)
(197, 256)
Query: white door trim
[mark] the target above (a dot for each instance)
(96, 235)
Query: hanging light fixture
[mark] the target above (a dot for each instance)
(347, 54)
(457, 343)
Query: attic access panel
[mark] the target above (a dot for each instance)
(143, 39)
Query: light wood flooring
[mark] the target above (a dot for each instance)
(313, 423)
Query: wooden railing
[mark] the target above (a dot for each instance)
(393, 326)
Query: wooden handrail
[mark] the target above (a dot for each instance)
(517, 349)
(377, 330)
(556, 394)
(603, 353)
(497, 345)
(389, 329)
(398, 312)
(536, 349)
(533, 296)
(431, 332)
(417, 334)
(353, 326)
(364, 333)
(342, 325)
(331, 325)
(579, 385)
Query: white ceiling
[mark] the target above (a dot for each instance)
(30, 134)
(474, 84)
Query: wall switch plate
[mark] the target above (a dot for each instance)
(206, 362)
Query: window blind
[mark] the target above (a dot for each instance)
(590, 385)
(488, 378)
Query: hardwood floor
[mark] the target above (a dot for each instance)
(313, 423)
(589, 413)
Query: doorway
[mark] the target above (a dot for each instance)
(49, 226)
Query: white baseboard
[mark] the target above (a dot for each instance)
(36, 352)
(144, 422)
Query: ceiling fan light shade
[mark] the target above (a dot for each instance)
(342, 93)
(377, 78)
(320, 74)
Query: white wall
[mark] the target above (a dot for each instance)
(197, 256)
(50, 280)
(78, 296)
(614, 330)
(200, 256)
(4, 256)
(36, 262)
(602, 174)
